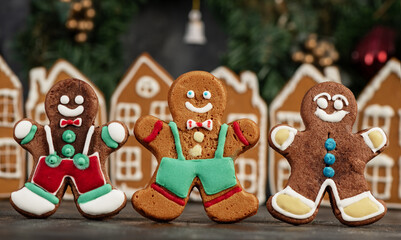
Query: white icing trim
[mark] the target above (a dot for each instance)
(203, 109)
(79, 124)
(339, 96)
(305, 70)
(116, 131)
(322, 94)
(341, 204)
(68, 112)
(125, 166)
(88, 138)
(104, 204)
(392, 66)
(377, 112)
(22, 129)
(287, 142)
(248, 80)
(10, 74)
(369, 142)
(380, 161)
(42, 158)
(49, 139)
(30, 202)
(147, 87)
(9, 116)
(336, 116)
(11, 169)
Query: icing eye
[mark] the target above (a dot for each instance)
(190, 94)
(64, 99)
(338, 104)
(322, 103)
(207, 95)
(79, 99)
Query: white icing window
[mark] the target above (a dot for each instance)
(283, 173)
(8, 107)
(293, 119)
(378, 174)
(147, 87)
(236, 116)
(128, 164)
(40, 114)
(10, 159)
(160, 110)
(247, 174)
(128, 113)
(377, 116)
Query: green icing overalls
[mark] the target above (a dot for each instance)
(216, 174)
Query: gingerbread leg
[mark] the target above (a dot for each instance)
(355, 205)
(231, 205)
(296, 205)
(149, 201)
(34, 201)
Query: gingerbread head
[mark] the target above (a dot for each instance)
(327, 157)
(196, 150)
(69, 151)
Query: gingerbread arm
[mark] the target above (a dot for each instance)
(241, 135)
(31, 136)
(281, 137)
(375, 138)
(113, 135)
(152, 133)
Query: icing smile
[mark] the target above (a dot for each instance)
(336, 116)
(68, 112)
(203, 109)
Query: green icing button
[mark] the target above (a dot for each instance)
(81, 161)
(53, 160)
(69, 136)
(68, 150)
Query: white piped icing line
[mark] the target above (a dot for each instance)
(36, 205)
(49, 139)
(68, 112)
(22, 129)
(203, 109)
(287, 142)
(336, 116)
(368, 142)
(88, 140)
(341, 204)
(116, 131)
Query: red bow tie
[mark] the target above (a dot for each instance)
(208, 124)
(76, 122)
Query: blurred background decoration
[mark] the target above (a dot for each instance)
(269, 37)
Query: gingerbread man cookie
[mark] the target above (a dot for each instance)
(69, 151)
(196, 150)
(327, 157)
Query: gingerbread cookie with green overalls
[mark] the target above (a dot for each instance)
(327, 157)
(196, 150)
(69, 151)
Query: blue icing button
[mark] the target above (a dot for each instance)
(329, 159)
(328, 172)
(330, 144)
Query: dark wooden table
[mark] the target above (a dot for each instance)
(67, 223)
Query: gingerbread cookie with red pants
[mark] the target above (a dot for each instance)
(69, 151)
(327, 157)
(196, 150)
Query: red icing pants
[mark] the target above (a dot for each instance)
(85, 180)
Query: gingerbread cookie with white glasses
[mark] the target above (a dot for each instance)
(327, 157)
(196, 150)
(69, 151)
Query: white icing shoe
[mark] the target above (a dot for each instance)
(107, 203)
(30, 202)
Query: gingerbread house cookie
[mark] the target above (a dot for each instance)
(245, 102)
(142, 91)
(42, 80)
(12, 157)
(379, 104)
(285, 108)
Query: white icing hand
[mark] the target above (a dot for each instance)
(375, 138)
(116, 131)
(283, 136)
(22, 129)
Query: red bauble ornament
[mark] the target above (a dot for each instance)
(374, 49)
